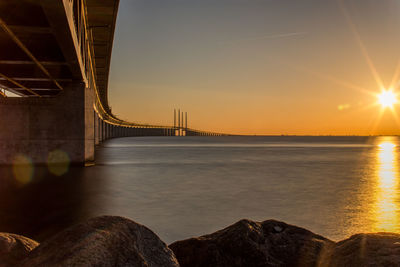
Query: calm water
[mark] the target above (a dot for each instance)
(183, 187)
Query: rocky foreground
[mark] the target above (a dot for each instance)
(116, 241)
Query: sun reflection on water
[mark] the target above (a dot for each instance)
(387, 206)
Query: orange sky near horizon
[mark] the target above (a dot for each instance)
(260, 67)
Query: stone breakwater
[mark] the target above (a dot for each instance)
(117, 241)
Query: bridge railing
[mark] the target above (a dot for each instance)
(85, 48)
(77, 11)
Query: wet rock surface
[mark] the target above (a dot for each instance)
(14, 248)
(248, 243)
(380, 249)
(116, 241)
(103, 241)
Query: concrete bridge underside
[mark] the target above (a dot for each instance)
(55, 55)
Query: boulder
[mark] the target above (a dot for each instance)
(380, 249)
(103, 241)
(14, 248)
(248, 243)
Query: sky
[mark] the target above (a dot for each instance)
(262, 67)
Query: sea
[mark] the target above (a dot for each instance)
(181, 187)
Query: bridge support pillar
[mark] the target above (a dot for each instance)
(96, 129)
(48, 129)
(102, 131)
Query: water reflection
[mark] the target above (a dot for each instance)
(180, 192)
(387, 206)
(48, 203)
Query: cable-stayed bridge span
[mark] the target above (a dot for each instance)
(54, 68)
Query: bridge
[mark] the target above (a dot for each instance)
(54, 67)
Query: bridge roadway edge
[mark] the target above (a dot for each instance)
(76, 116)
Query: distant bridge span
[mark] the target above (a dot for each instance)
(55, 55)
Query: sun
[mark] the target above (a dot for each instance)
(387, 99)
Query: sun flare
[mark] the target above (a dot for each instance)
(387, 99)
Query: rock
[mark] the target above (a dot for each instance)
(14, 248)
(103, 241)
(380, 249)
(248, 243)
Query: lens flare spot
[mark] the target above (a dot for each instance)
(58, 162)
(343, 107)
(23, 169)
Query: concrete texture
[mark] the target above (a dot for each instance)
(89, 125)
(33, 127)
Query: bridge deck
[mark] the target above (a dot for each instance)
(34, 62)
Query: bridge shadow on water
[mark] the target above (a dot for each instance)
(47, 203)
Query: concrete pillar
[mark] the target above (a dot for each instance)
(89, 124)
(99, 128)
(39, 128)
(105, 131)
(96, 129)
(108, 130)
(102, 131)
